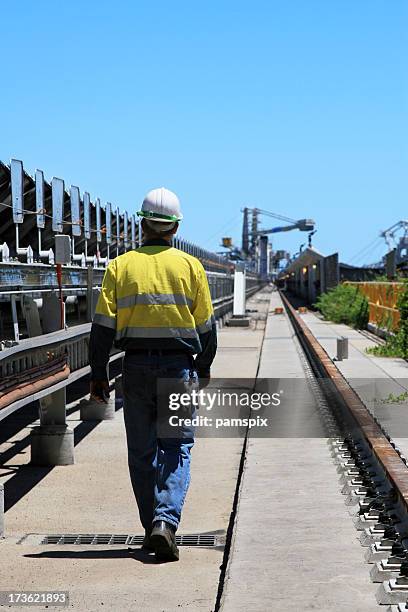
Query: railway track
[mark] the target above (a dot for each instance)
(373, 471)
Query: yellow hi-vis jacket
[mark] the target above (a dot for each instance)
(154, 297)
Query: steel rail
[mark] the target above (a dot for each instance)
(394, 467)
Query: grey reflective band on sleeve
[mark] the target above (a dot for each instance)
(206, 326)
(105, 321)
(156, 332)
(154, 299)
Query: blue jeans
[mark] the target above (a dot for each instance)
(159, 467)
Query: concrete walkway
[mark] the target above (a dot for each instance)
(94, 496)
(294, 545)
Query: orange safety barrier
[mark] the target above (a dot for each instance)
(382, 301)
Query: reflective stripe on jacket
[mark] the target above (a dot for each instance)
(155, 297)
(155, 292)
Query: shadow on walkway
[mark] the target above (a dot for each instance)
(124, 553)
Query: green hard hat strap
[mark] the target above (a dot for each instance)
(153, 215)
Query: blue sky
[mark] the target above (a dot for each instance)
(295, 106)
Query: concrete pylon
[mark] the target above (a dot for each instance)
(52, 443)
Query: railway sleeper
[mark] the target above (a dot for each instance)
(393, 591)
(401, 607)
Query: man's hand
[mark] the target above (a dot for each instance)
(204, 378)
(99, 390)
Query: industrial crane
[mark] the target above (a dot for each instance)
(389, 234)
(258, 249)
(401, 246)
(304, 225)
(255, 241)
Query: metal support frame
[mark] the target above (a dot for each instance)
(40, 210)
(5, 252)
(15, 318)
(119, 240)
(26, 252)
(48, 255)
(89, 294)
(31, 315)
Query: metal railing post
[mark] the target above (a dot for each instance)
(89, 294)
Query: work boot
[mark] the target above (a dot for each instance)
(146, 544)
(163, 540)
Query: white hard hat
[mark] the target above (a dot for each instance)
(161, 205)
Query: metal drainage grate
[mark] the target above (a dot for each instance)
(197, 539)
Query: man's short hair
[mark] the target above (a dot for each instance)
(159, 228)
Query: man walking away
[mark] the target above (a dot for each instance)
(155, 303)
